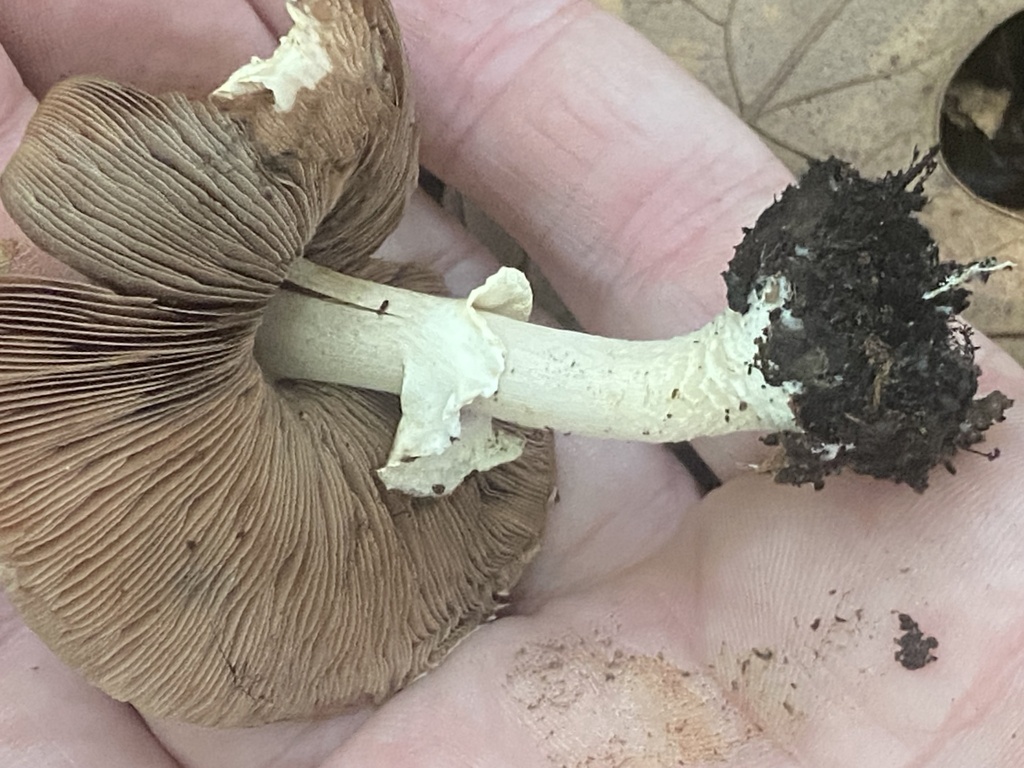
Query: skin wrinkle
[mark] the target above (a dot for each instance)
(961, 728)
(657, 273)
(295, 745)
(540, 123)
(652, 204)
(280, 744)
(489, 59)
(987, 683)
(607, 538)
(554, 123)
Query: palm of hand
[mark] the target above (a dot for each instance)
(754, 627)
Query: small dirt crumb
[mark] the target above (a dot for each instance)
(915, 648)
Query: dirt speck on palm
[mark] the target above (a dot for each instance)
(915, 647)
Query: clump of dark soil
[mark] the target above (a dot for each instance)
(886, 373)
(915, 648)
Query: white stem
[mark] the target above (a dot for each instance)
(670, 390)
(363, 334)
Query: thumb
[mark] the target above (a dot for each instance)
(17, 254)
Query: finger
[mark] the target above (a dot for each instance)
(624, 178)
(189, 46)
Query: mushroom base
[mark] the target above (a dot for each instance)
(886, 374)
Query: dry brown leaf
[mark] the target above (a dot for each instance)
(863, 80)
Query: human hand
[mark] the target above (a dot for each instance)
(754, 627)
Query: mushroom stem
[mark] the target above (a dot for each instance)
(335, 328)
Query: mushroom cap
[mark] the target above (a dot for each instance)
(195, 540)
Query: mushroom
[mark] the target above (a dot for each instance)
(204, 511)
(840, 339)
(194, 539)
